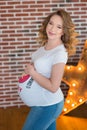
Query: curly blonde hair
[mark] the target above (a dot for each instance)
(69, 38)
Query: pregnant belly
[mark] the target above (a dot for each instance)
(31, 93)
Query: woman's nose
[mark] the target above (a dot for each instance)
(52, 28)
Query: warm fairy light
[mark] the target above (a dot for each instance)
(68, 101)
(80, 100)
(74, 84)
(70, 93)
(73, 105)
(75, 77)
(68, 67)
(65, 109)
(80, 68)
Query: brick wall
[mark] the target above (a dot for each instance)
(19, 24)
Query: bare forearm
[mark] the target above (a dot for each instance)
(43, 81)
(52, 84)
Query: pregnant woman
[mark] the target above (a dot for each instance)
(41, 91)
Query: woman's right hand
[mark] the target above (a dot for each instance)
(23, 74)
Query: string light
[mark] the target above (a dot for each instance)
(74, 84)
(80, 100)
(68, 67)
(65, 109)
(80, 68)
(74, 76)
(68, 101)
(71, 93)
(73, 105)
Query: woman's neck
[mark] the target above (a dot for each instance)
(52, 44)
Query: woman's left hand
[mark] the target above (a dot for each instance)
(29, 69)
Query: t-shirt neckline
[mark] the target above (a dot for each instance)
(57, 47)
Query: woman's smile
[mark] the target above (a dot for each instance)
(51, 33)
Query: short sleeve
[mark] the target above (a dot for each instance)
(60, 57)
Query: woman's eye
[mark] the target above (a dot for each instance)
(50, 23)
(59, 27)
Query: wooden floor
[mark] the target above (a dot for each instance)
(13, 119)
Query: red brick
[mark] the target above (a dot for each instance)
(21, 14)
(21, 6)
(2, 3)
(13, 2)
(7, 15)
(28, 2)
(14, 19)
(8, 31)
(6, 7)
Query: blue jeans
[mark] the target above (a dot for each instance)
(43, 117)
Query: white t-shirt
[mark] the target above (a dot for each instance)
(43, 60)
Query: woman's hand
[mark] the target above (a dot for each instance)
(29, 69)
(23, 74)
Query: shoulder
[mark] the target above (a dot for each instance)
(61, 55)
(61, 51)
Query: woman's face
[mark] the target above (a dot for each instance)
(54, 28)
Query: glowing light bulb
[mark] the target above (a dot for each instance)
(80, 68)
(68, 67)
(74, 84)
(80, 100)
(70, 93)
(65, 109)
(68, 101)
(73, 105)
